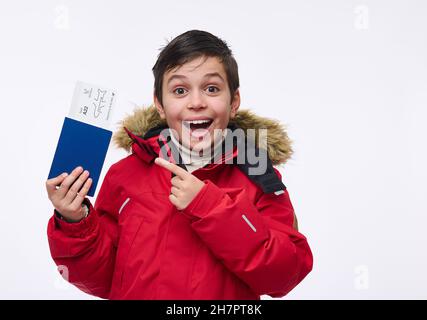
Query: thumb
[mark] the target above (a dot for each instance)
(52, 183)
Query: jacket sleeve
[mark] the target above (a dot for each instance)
(85, 251)
(255, 241)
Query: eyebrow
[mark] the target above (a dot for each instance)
(207, 75)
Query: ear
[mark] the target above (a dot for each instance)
(235, 104)
(159, 107)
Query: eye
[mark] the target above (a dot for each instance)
(179, 91)
(213, 89)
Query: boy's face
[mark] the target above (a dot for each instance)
(197, 90)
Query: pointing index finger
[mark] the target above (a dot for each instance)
(171, 167)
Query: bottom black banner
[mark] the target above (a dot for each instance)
(221, 309)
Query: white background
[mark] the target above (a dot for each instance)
(348, 78)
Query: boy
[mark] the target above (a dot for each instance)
(189, 227)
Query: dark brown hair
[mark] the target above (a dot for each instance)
(191, 45)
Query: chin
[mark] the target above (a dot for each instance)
(198, 146)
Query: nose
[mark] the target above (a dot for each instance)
(197, 101)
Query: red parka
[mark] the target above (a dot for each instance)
(235, 240)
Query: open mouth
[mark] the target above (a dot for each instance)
(197, 124)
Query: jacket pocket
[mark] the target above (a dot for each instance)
(130, 222)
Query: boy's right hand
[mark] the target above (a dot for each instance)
(67, 199)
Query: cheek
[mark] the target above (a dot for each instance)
(171, 114)
(223, 114)
(175, 124)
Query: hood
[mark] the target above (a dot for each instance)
(143, 119)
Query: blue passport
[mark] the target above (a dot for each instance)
(81, 144)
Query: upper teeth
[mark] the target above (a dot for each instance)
(198, 121)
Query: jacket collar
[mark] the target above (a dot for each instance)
(142, 133)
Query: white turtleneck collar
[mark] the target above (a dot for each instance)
(192, 159)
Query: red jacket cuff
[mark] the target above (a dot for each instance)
(78, 229)
(207, 199)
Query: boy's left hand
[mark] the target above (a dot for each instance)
(185, 186)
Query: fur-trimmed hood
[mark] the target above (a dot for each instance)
(278, 143)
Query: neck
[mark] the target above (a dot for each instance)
(202, 156)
